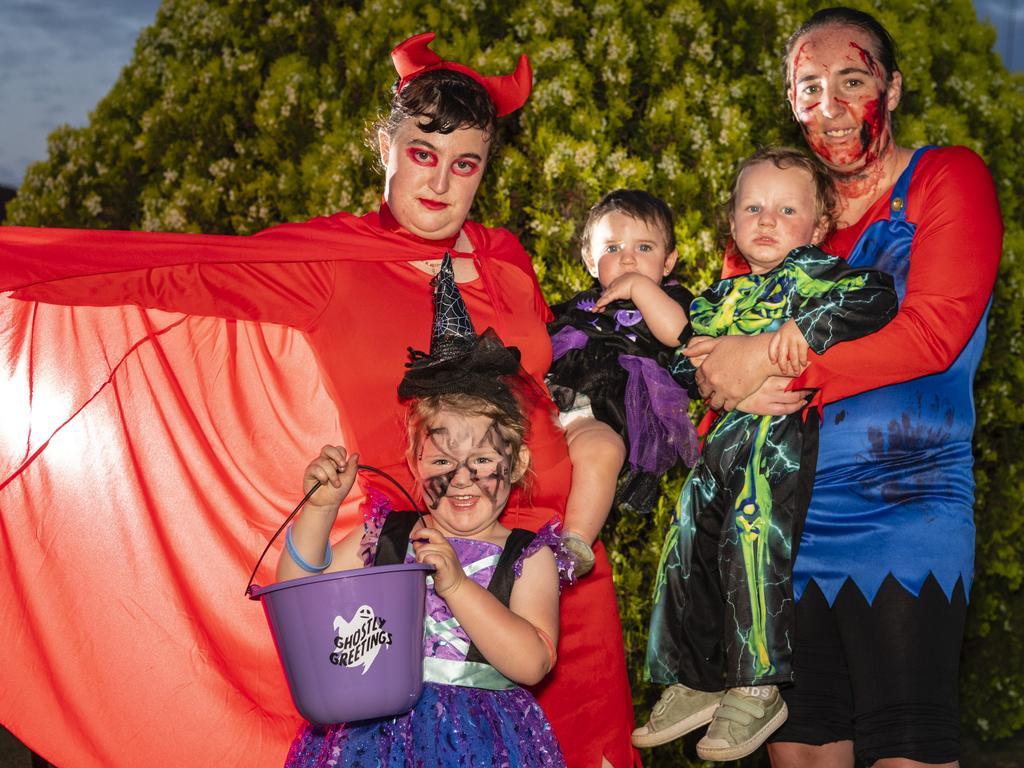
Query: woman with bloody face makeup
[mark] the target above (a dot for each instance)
(295, 336)
(885, 561)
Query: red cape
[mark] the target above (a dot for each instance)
(147, 456)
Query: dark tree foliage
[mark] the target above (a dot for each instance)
(236, 115)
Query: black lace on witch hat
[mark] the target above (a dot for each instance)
(459, 361)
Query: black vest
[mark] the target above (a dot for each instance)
(394, 542)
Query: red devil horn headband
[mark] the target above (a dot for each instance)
(508, 92)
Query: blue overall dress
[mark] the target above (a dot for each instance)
(894, 488)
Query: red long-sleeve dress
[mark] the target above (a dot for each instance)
(149, 451)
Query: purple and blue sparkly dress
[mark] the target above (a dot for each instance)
(469, 714)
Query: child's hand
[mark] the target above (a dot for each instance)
(436, 551)
(696, 360)
(788, 349)
(336, 471)
(620, 289)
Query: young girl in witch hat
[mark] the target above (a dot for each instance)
(492, 603)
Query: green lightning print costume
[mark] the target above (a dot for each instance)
(723, 602)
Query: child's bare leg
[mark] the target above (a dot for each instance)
(597, 453)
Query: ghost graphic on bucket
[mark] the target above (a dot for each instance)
(359, 639)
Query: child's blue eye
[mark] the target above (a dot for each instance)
(645, 248)
(789, 211)
(753, 208)
(611, 249)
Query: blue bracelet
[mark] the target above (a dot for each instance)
(298, 558)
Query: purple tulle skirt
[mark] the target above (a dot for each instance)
(449, 726)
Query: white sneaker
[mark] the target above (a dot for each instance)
(743, 722)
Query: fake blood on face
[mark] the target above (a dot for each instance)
(838, 92)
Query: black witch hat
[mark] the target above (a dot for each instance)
(460, 361)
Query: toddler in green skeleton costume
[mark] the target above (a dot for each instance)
(722, 620)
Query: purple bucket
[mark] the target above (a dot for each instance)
(350, 642)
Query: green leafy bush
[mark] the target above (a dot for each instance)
(236, 115)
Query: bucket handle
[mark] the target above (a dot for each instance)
(294, 512)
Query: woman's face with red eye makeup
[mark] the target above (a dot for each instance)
(465, 471)
(432, 178)
(839, 95)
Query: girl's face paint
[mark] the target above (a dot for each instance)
(839, 95)
(465, 471)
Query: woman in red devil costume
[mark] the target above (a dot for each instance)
(160, 391)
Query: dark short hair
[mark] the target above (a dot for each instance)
(442, 101)
(826, 197)
(841, 16)
(637, 204)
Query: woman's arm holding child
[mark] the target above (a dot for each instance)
(661, 312)
(310, 533)
(511, 639)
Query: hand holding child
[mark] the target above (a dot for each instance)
(336, 472)
(788, 349)
(436, 551)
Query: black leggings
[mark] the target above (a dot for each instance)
(884, 675)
